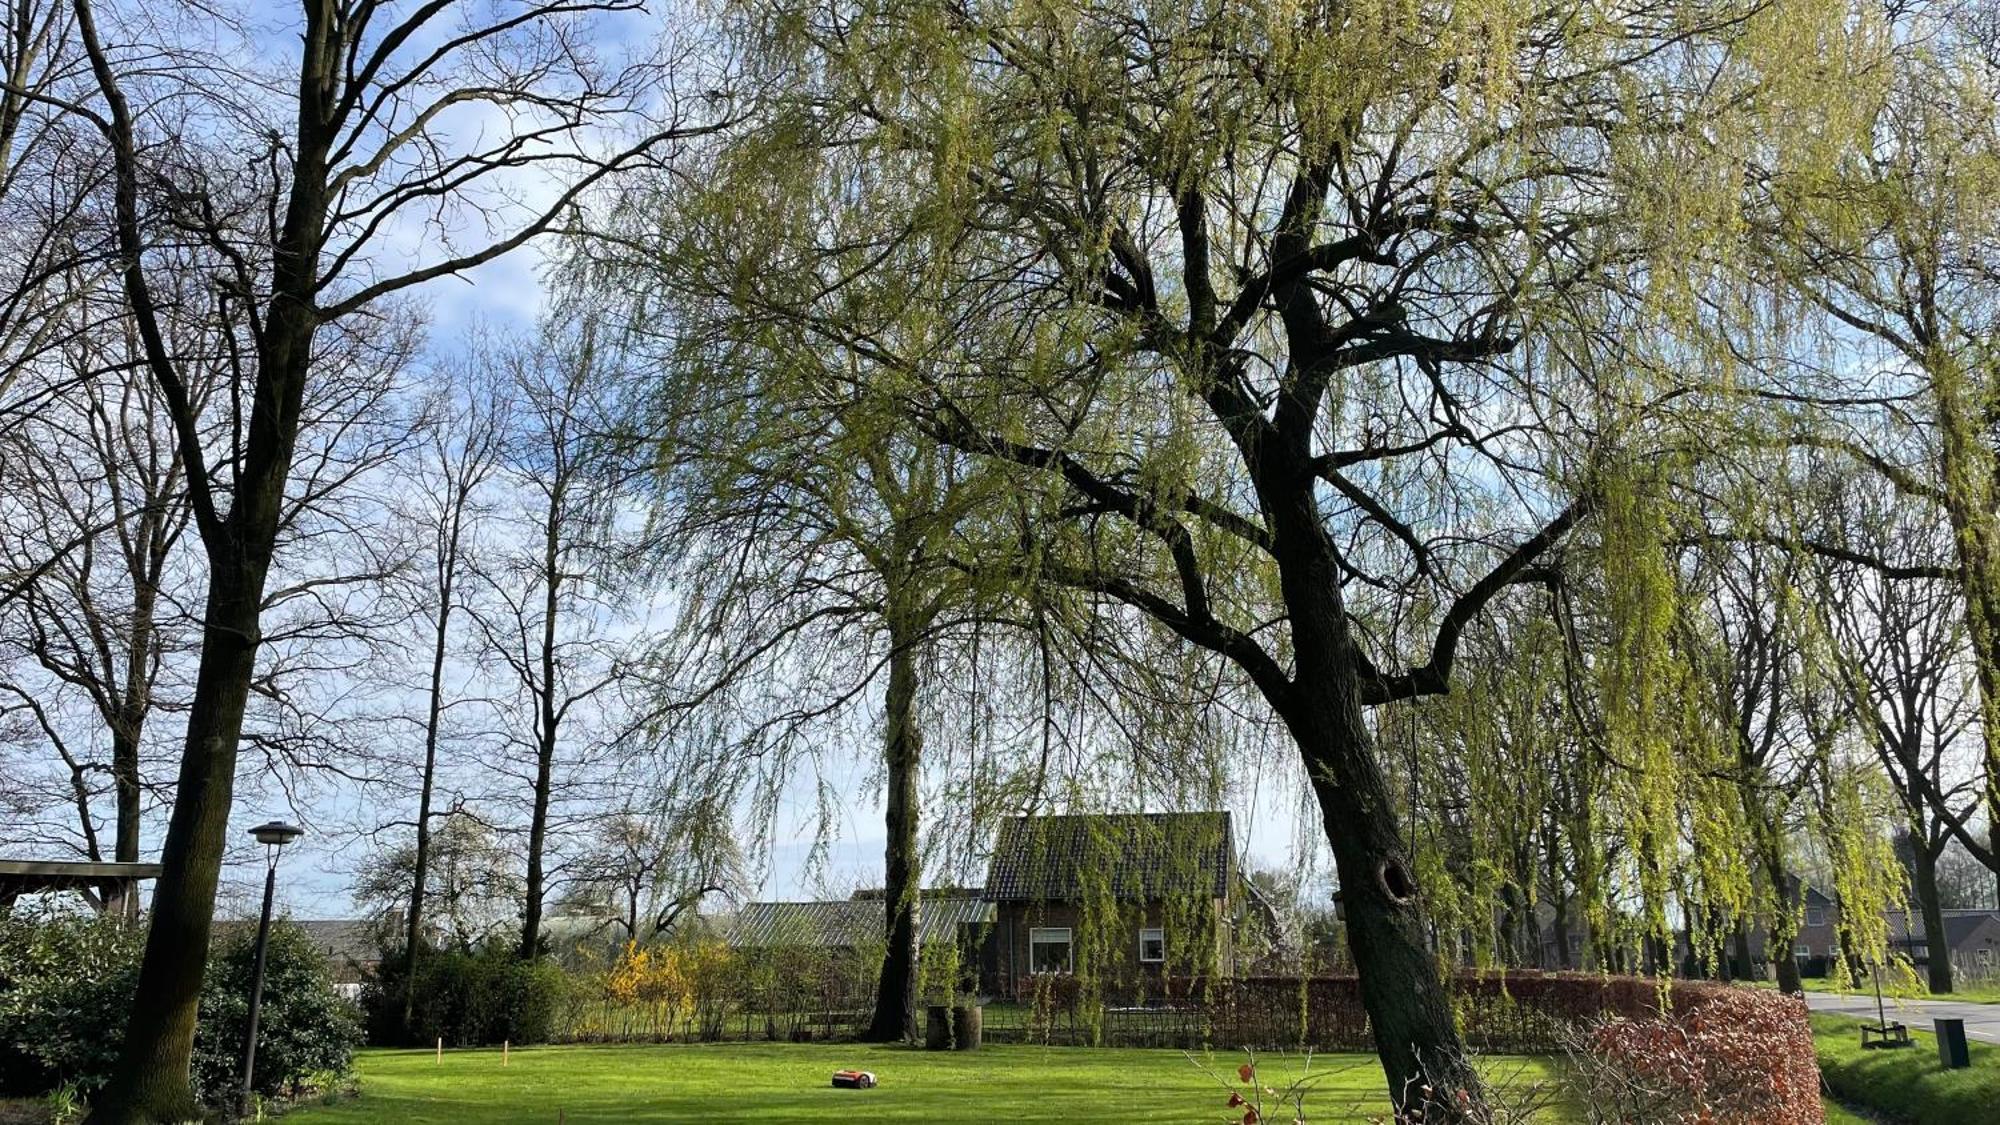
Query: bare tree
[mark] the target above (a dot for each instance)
(1901, 648)
(356, 140)
(444, 497)
(545, 612)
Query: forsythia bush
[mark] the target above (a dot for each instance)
(1739, 1057)
(674, 986)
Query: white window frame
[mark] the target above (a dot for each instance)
(1815, 916)
(1159, 935)
(1045, 935)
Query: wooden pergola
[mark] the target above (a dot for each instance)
(113, 888)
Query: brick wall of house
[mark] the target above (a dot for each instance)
(1014, 922)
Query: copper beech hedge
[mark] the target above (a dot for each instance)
(1499, 1013)
(1738, 1058)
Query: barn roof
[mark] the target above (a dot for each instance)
(847, 923)
(1132, 856)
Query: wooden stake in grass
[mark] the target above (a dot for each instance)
(503, 1052)
(440, 1057)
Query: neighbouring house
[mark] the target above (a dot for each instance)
(1819, 934)
(352, 946)
(1132, 897)
(1973, 936)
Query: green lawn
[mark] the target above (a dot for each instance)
(1906, 1085)
(789, 1082)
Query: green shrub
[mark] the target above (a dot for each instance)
(467, 999)
(66, 989)
(66, 983)
(1909, 1084)
(304, 1030)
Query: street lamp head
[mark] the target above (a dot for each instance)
(277, 833)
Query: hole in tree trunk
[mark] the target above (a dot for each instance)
(1396, 882)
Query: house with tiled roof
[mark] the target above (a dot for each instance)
(1129, 898)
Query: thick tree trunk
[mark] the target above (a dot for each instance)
(1784, 930)
(1936, 947)
(1409, 1011)
(1415, 1035)
(896, 994)
(1785, 893)
(1742, 940)
(151, 1081)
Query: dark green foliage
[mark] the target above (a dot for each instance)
(1906, 1085)
(465, 998)
(66, 988)
(66, 981)
(305, 1028)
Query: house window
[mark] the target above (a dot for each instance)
(1048, 950)
(1152, 944)
(1802, 952)
(1815, 916)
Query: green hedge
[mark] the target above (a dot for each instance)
(1906, 1085)
(466, 999)
(66, 987)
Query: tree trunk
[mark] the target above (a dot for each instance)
(1784, 916)
(1969, 467)
(1416, 1034)
(1564, 957)
(420, 865)
(1937, 947)
(1784, 930)
(1743, 949)
(547, 719)
(538, 837)
(896, 995)
(151, 1080)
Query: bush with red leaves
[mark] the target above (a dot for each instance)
(1735, 1057)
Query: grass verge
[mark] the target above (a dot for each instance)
(1907, 1085)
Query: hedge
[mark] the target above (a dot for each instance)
(467, 999)
(1906, 1085)
(1499, 1013)
(1732, 1057)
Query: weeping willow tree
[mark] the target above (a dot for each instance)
(825, 557)
(1892, 243)
(1295, 327)
(811, 544)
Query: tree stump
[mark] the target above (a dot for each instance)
(937, 1028)
(966, 1022)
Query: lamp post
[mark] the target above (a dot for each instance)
(273, 835)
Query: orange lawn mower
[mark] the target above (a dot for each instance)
(854, 1079)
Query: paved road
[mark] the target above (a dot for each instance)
(1982, 1021)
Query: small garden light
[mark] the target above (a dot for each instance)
(274, 835)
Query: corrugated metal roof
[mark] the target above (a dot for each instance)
(850, 922)
(1132, 855)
